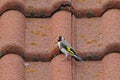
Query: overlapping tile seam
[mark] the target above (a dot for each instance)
(77, 7)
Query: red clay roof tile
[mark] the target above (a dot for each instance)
(41, 35)
(61, 70)
(38, 70)
(89, 70)
(11, 4)
(45, 8)
(12, 67)
(35, 39)
(95, 37)
(93, 8)
(111, 67)
(12, 32)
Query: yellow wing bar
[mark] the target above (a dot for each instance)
(70, 51)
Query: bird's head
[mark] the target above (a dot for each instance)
(60, 38)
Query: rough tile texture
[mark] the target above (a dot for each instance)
(111, 67)
(25, 31)
(41, 35)
(89, 70)
(38, 8)
(37, 71)
(12, 4)
(12, 40)
(61, 70)
(12, 67)
(95, 37)
(93, 8)
(46, 8)
(35, 8)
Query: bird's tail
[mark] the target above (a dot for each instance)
(78, 58)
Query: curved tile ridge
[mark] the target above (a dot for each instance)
(12, 67)
(111, 67)
(111, 30)
(93, 38)
(12, 32)
(93, 8)
(80, 8)
(61, 70)
(45, 32)
(45, 8)
(35, 8)
(12, 4)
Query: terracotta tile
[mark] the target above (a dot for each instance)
(110, 22)
(61, 23)
(12, 67)
(45, 8)
(89, 70)
(37, 71)
(80, 8)
(35, 8)
(37, 43)
(91, 8)
(33, 33)
(41, 35)
(61, 70)
(90, 35)
(35, 38)
(111, 67)
(12, 32)
(12, 4)
(55, 69)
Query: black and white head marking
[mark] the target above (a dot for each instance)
(60, 38)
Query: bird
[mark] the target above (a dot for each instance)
(66, 48)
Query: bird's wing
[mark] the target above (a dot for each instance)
(63, 45)
(68, 48)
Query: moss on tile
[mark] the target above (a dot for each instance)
(59, 70)
(33, 44)
(44, 35)
(100, 44)
(83, 0)
(82, 36)
(91, 41)
(97, 74)
(30, 7)
(76, 0)
(100, 1)
(30, 70)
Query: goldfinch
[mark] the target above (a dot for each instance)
(66, 48)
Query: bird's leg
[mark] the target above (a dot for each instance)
(66, 56)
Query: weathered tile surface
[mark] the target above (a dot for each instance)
(28, 45)
(12, 67)
(95, 37)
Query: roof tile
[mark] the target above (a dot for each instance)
(45, 8)
(11, 4)
(95, 39)
(13, 39)
(93, 8)
(37, 70)
(61, 70)
(89, 70)
(90, 35)
(12, 67)
(45, 32)
(110, 22)
(111, 67)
